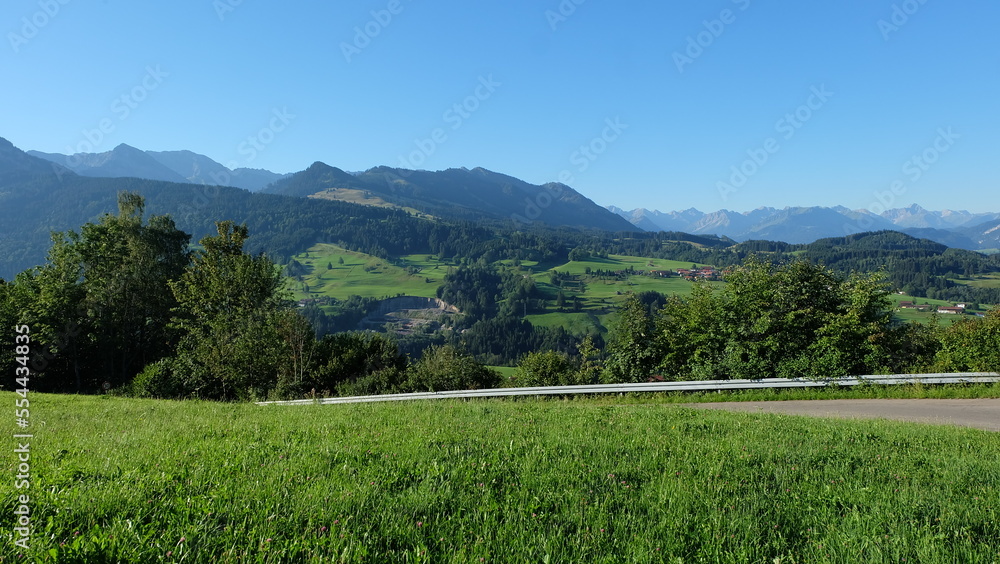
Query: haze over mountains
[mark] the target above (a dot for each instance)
(457, 193)
(475, 194)
(169, 166)
(797, 225)
(479, 194)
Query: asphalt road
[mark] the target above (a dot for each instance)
(978, 413)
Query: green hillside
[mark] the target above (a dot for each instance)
(333, 272)
(597, 296)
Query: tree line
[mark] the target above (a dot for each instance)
(793, 320)
(126, 303)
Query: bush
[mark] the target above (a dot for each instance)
(383, 381)
(548, 368)
(798, 320)
(446, 368)
(359, 364)
(158, 381)
(971, 345)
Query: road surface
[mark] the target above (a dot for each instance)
(978, 413)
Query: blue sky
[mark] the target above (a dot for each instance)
(666, 105)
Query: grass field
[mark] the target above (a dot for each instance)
(992, 281)
(364, 275)
(368, 276)
(923, 316)
(116, 480)
(420, 275)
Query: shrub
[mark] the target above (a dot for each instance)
(158, 381)
(548, 368)
(971, 345)
(446, 368)
(359, 364)
(384, 381)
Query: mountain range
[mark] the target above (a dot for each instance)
(457, 194)
(798, 225)
(169, 166)
(476, 194)
(39, 196)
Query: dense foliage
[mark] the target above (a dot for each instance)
(492, 327)
(971, 345)
(99, 308)
(791, 321)
(125, 303)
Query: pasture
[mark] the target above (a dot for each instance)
(496, 481)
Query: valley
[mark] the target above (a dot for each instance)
(580, 296)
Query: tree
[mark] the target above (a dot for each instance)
(971, 345)
(357, 363)
(548, 368)
(632, 352)
(100, 306)
(579, 254)
(50, 300)
(239, 341)
(224, 280)
(9, 318)
(795, 320)
(126, 268)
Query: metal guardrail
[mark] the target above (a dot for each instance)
(695, 386)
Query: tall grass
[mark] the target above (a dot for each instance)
(118, 480)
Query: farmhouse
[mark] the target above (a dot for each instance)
(705, 273)
(951, 310)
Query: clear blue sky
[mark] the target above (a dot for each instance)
(547, 84)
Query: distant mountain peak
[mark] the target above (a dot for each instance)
(801, 224)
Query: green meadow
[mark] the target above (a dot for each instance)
(365, 275)
(338, 273)
(120, 480)
(990, 281)
(924, 316)
(421, 275)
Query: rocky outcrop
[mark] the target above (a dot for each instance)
(402, 303)
(405, 313)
